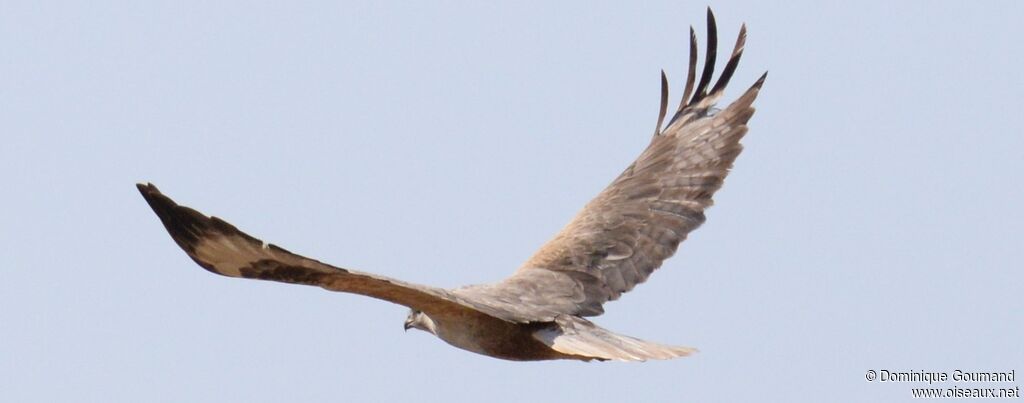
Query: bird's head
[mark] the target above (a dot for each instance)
(419, 320)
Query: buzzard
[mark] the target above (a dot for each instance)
(539, 313)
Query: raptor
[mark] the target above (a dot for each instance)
(540, 312)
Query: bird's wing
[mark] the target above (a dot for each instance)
(221, 248)
(638, 221)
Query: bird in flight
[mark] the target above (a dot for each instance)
(539, 312)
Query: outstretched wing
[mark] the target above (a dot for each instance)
(221, 248)
(638, 221)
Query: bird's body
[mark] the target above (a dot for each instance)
(493, 337)
(538, 313)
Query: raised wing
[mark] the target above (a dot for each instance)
(638, 221)
(221, 248)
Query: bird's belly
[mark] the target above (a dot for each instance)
(465, 338)
(496, 338)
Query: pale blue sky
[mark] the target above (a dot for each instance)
(873, 221)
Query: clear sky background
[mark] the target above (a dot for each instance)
(873, 221)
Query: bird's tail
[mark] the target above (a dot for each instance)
(577, 336)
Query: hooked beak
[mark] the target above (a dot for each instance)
(408, 325)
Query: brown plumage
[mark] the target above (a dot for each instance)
(613, 244)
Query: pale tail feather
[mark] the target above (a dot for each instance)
(577, 336)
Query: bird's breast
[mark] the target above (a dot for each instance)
(496, 338)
